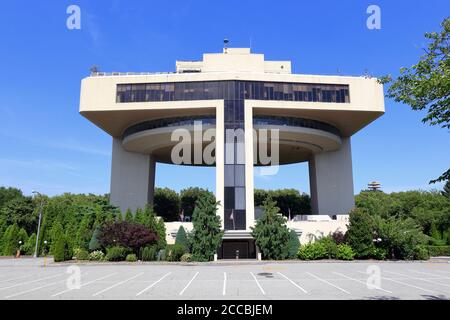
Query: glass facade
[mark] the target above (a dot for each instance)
(232, 89)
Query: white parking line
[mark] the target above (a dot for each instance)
(153, 284)
(18, 278)
(431, 274)
(224, 290)
(293, 282)
(117, 284)
(403, 283)
(331, 284)
(375, 287)
(421, 279)
(34, 289)
(32, 281)
(85, 284)
(259, 286)
(189, 283)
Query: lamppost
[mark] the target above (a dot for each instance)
(39, 222)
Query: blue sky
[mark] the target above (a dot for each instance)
(46, 145)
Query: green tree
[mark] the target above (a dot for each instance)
(29, 245)
(20, 210)
(56, 233)
(11, 240)
(426, 85)
(129, 216)
(155, 224)
(167, 204)
(188, 198)
(139, 216)
(446, 190)
(23, 238)
(181, 238)
(271, 234)
(360, 233)
(206, 235)
(94, 244)
(7, 194)
(293, 245)
(84, 232)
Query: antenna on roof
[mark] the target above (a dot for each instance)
(225, 45)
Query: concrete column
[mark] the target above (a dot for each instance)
(220, 161)
(132, 178)
(331, 181)
(249, 184)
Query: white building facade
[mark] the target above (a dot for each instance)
(313, 117)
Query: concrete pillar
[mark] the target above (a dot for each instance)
(249, 184)
(132, 178)
(220, 161)
(331, 181)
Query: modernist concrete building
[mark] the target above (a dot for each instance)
(315, 117)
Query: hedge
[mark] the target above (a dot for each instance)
(435, 251)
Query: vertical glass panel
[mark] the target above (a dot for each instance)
(239, 175)
(240, 198)
(229, 176)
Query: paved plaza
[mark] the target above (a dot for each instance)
(30, 279)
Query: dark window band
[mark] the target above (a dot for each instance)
(231, 89)
(211, 120)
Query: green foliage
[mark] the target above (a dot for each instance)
(421, 253)
(94, 244)
(131, 257)
(96, 256)
(129, 216)
(330, 246)
(399, 237)
(187, 257)
(81, 254)
(188, 198)
(436, 251)
(378, 253)
(360, 233)
(167, 204)
(287, 200)
(161, 255)
(293, 244)
(29, 246)
(116, 253)
(446, 190)
(61, 250)
(8, 194)
(11, 240)
(156, 224)
(271, 234)
(139, 216)
(312, 251)
(148, 253)
(181, 238)
(344, 252)
(174, 252)
(206, 235)
(425, 85)
(21, 211)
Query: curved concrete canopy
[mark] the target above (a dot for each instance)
(296, 144)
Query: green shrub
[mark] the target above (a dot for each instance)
(174, 252)
(378, 253)
(96, 255)
(360, 233)
(30, 245)
(61, 251)
(436, 251)
(148, 253)
(116, 253)
(94, 244)
(161, 256)
(344, 252)
(187, 257)
(330, 246)
(312, 251)
(131, 257)
(81, 254)
(181, 238)
(293, 244)
(271, 234)
(421, 253)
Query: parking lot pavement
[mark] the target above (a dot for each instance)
(30, 279)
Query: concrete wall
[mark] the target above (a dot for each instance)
(331, 181)
(132, 178)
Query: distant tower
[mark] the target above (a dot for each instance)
(374, 186)
(225, 45)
